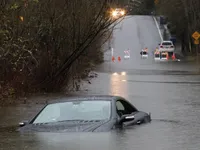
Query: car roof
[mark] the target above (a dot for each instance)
(166, 41)
(86, 98)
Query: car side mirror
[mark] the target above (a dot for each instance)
(21, 124)
(125, 118)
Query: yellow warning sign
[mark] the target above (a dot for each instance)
(196, 35)
(156, 2)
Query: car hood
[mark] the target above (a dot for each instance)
(67, 126)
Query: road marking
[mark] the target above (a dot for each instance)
(158, 28)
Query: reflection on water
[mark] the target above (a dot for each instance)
(175, 125)
(123, 73)
(156, 135)
(117, 84)
(175, 108)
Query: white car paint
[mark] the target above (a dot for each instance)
(167, 46)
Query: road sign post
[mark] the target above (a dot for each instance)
(156, 2)
(196, 36)
(196, 42)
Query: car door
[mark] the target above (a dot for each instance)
(123, 107)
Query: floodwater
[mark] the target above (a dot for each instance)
(170, 91)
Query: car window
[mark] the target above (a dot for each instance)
(79, 110)
(119, 106)
(166, 43)
(124, 107)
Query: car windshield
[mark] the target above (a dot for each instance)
(77, 110)
(166, 43)
(157, 55)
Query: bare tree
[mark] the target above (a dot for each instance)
(43, 41)
(184, 15)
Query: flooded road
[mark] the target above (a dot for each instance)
(170, 91)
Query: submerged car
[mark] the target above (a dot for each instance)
(86, 114)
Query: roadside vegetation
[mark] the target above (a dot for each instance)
(141, 7)
(182, 16)
(46, 45)
(183, 20)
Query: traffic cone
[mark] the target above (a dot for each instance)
(113, 58)
(167, 56)
(173, 56)
(119, 58)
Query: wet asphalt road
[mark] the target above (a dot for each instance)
(170, 91)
